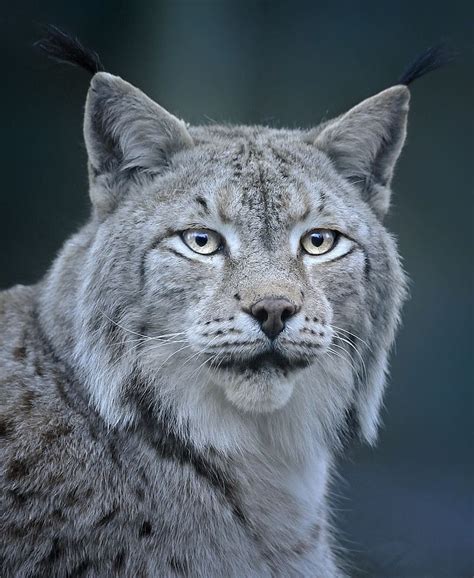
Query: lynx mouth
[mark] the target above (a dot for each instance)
(266, 360)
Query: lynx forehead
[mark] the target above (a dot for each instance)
(175, 389)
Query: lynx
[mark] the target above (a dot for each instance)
(175, 392)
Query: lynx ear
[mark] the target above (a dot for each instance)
(364, 143)
(125, 130)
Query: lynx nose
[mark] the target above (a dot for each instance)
(271, 313)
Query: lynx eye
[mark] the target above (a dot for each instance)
(319, 241)
(202, 241)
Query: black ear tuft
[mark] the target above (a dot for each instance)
(64, 48)
(431, 59)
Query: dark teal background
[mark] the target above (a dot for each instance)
(404, 509)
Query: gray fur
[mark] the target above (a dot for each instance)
(136, 437)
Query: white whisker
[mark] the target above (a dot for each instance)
(171, 355)
(356, 350)
(121, 326)
(351, 334)
(143, 351)
(137, 333)
(201, 351)
(347, 358)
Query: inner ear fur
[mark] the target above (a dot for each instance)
(365, 143)
(124, 131)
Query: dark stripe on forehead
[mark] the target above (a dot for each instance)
(251, 179)
(263, 174)
(306, 213)
(203, 203)
(240, 159)
(290, 156)
(323, 197)
(265, 193)
(282, 161)
(223, 216)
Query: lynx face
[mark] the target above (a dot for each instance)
(233, 271)
(243, 268)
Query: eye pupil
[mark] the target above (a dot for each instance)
(317, 239)
(201, 239)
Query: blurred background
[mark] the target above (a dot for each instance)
(405, 508)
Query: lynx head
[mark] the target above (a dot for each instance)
(233, 274)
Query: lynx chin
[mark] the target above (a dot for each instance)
(176, 389)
